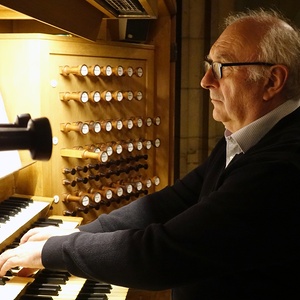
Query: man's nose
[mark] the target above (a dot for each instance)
(208, 79)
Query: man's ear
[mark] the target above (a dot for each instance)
(276, 81)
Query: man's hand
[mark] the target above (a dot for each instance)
(27, 255)
(44, 233)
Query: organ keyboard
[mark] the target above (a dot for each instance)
(18, 214)
(74, 289)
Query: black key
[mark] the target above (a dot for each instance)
(10, 205)
(44, 224)
(56, 221)
(9, 273)
(97, 283)
(3, 280)
(60, 273)
(3, 220)
(42, 291)
(20, 199)
(46, 285)
(92, 294)
(85, 297)
(50, 280)
(58, 276)
(4, 216)
(8, 213)
(95, 290)
(35, 297)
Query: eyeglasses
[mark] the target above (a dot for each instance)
(217, 67)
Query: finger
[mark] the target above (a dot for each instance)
(28, 235)
(37, 234)
(7, 261)
(3, 258)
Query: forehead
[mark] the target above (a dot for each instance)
(238, 42)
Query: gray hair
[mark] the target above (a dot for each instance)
(280, 45)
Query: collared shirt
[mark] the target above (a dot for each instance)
(243, 139)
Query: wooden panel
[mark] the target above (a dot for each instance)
(34, 85)
(9, 14)
(75, 16)
(7, 186)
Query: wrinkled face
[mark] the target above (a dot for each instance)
(237, 100)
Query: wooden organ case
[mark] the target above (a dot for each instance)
(100, 103)
(110, 105)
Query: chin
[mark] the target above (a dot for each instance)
(216, 116)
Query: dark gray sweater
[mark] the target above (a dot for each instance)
(218, 233)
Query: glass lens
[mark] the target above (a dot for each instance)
(206, 66)
(216, 67)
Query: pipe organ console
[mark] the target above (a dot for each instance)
(110, 108)
(109, 142)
